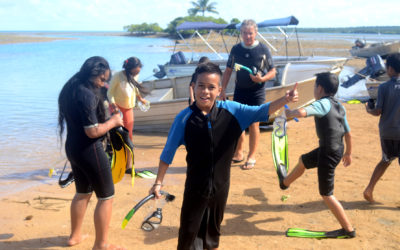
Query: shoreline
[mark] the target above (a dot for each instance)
(317, 46)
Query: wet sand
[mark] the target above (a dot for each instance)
(8, 38)
(255, 217)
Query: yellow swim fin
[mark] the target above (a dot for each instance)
(119, 158)
(122, 148)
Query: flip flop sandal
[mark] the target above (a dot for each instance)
(249, 165)
(237, 161)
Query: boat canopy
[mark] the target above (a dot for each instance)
(201, 26)
(286, 21)
(290, 20)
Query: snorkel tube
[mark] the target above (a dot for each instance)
(168, 198)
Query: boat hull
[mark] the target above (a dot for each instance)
(162, 113)
(381, 49)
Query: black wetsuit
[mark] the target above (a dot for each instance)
(210, 144)
(259, 57)
(331, 127)
(89, 162)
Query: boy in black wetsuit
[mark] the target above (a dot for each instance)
(209, 129)
(332, 126)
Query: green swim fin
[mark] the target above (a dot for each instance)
(304, 233)
(279, 147)
(146, 174)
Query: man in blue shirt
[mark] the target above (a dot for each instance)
(388, 108)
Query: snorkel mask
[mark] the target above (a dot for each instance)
(154, 219)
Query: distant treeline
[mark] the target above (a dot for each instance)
(365, 30)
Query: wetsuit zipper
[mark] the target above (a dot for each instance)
(211, 181)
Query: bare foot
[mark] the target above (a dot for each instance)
(109, 247)
(72, 241)
(368, 196)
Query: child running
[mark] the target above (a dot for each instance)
(388, 108)
(209, 129)
(331, 125)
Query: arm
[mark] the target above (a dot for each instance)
(225, 80)
(191, 92)
(102, 128)
(140, 98)
(301, 112)
(156, 188)
(258, 78)
(290, 96)
(111, 92)
(347, 155)
(374, 112)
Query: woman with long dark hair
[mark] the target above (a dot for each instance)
(81, 109)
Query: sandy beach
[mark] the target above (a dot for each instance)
(255, 217)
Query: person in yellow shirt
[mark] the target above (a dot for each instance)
(125, 90)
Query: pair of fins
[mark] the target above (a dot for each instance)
(304, 233)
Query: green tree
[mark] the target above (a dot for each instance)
(202, 6)
(143, 28)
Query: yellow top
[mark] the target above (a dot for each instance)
(121, 92)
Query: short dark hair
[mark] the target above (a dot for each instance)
(204, 59)
(328, 81)
(393, 60)
(208, 67)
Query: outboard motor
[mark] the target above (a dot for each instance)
(178, 58)
(359, 44)
(375, 67)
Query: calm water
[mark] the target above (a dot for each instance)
(32, 76)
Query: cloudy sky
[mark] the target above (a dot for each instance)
(112, 15)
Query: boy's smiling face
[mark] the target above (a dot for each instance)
(206, 91)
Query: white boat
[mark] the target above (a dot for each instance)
(179, 65)
(169, 96)
(382, 48)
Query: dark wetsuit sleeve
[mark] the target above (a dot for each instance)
(87, 113)
(231, 59)
(246, 115)
(175, 136)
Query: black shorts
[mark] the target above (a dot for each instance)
(326, 160)
(390, 150)
(92, 171)
(249, 97)
(201, 220)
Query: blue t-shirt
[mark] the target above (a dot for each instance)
(389, 102)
